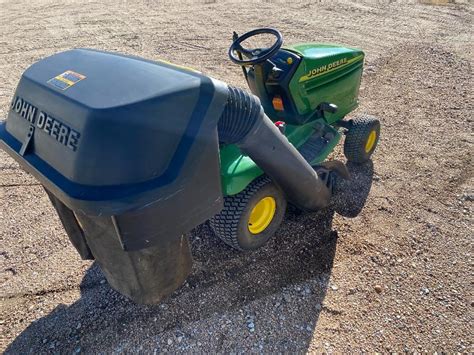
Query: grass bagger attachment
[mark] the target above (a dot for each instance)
(134, 153)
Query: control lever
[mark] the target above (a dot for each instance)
(327, 107)
(234, 37)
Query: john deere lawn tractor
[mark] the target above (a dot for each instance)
(135, 153)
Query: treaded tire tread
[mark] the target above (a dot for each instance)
(225, 224)
(354, 144)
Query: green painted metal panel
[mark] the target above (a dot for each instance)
(327, 73)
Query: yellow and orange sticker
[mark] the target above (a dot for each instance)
(66, 80)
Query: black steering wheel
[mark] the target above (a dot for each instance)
(256, 55)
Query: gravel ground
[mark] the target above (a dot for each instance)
(387, 268)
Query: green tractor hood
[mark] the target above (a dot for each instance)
(327, 73)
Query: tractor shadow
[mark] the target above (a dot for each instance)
(350, 195)
(288, 278)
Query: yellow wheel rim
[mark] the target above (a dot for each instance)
(370, 141)
(262, 215)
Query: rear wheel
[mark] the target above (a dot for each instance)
(250, 218)
(362, 138)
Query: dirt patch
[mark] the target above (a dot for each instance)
(386, 268)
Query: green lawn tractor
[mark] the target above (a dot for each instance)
(307, 90)
(133, 153)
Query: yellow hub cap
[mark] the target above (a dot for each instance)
(262, 215)
(370, 141)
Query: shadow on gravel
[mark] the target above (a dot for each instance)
(290, 275)
(350, 195)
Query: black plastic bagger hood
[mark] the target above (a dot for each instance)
(109, 134)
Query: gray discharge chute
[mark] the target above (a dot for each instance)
(244, 123)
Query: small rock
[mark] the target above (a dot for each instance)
(334, 288)
(102, 281)
(378, 288)
(424, 291)
(78, 350)
(468, 196)
(180, 338)
(45, 341)
(170, 341)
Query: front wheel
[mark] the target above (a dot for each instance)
(362, 138)
(250, 218)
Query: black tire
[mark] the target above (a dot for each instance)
(232, 223)
(358, 136)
